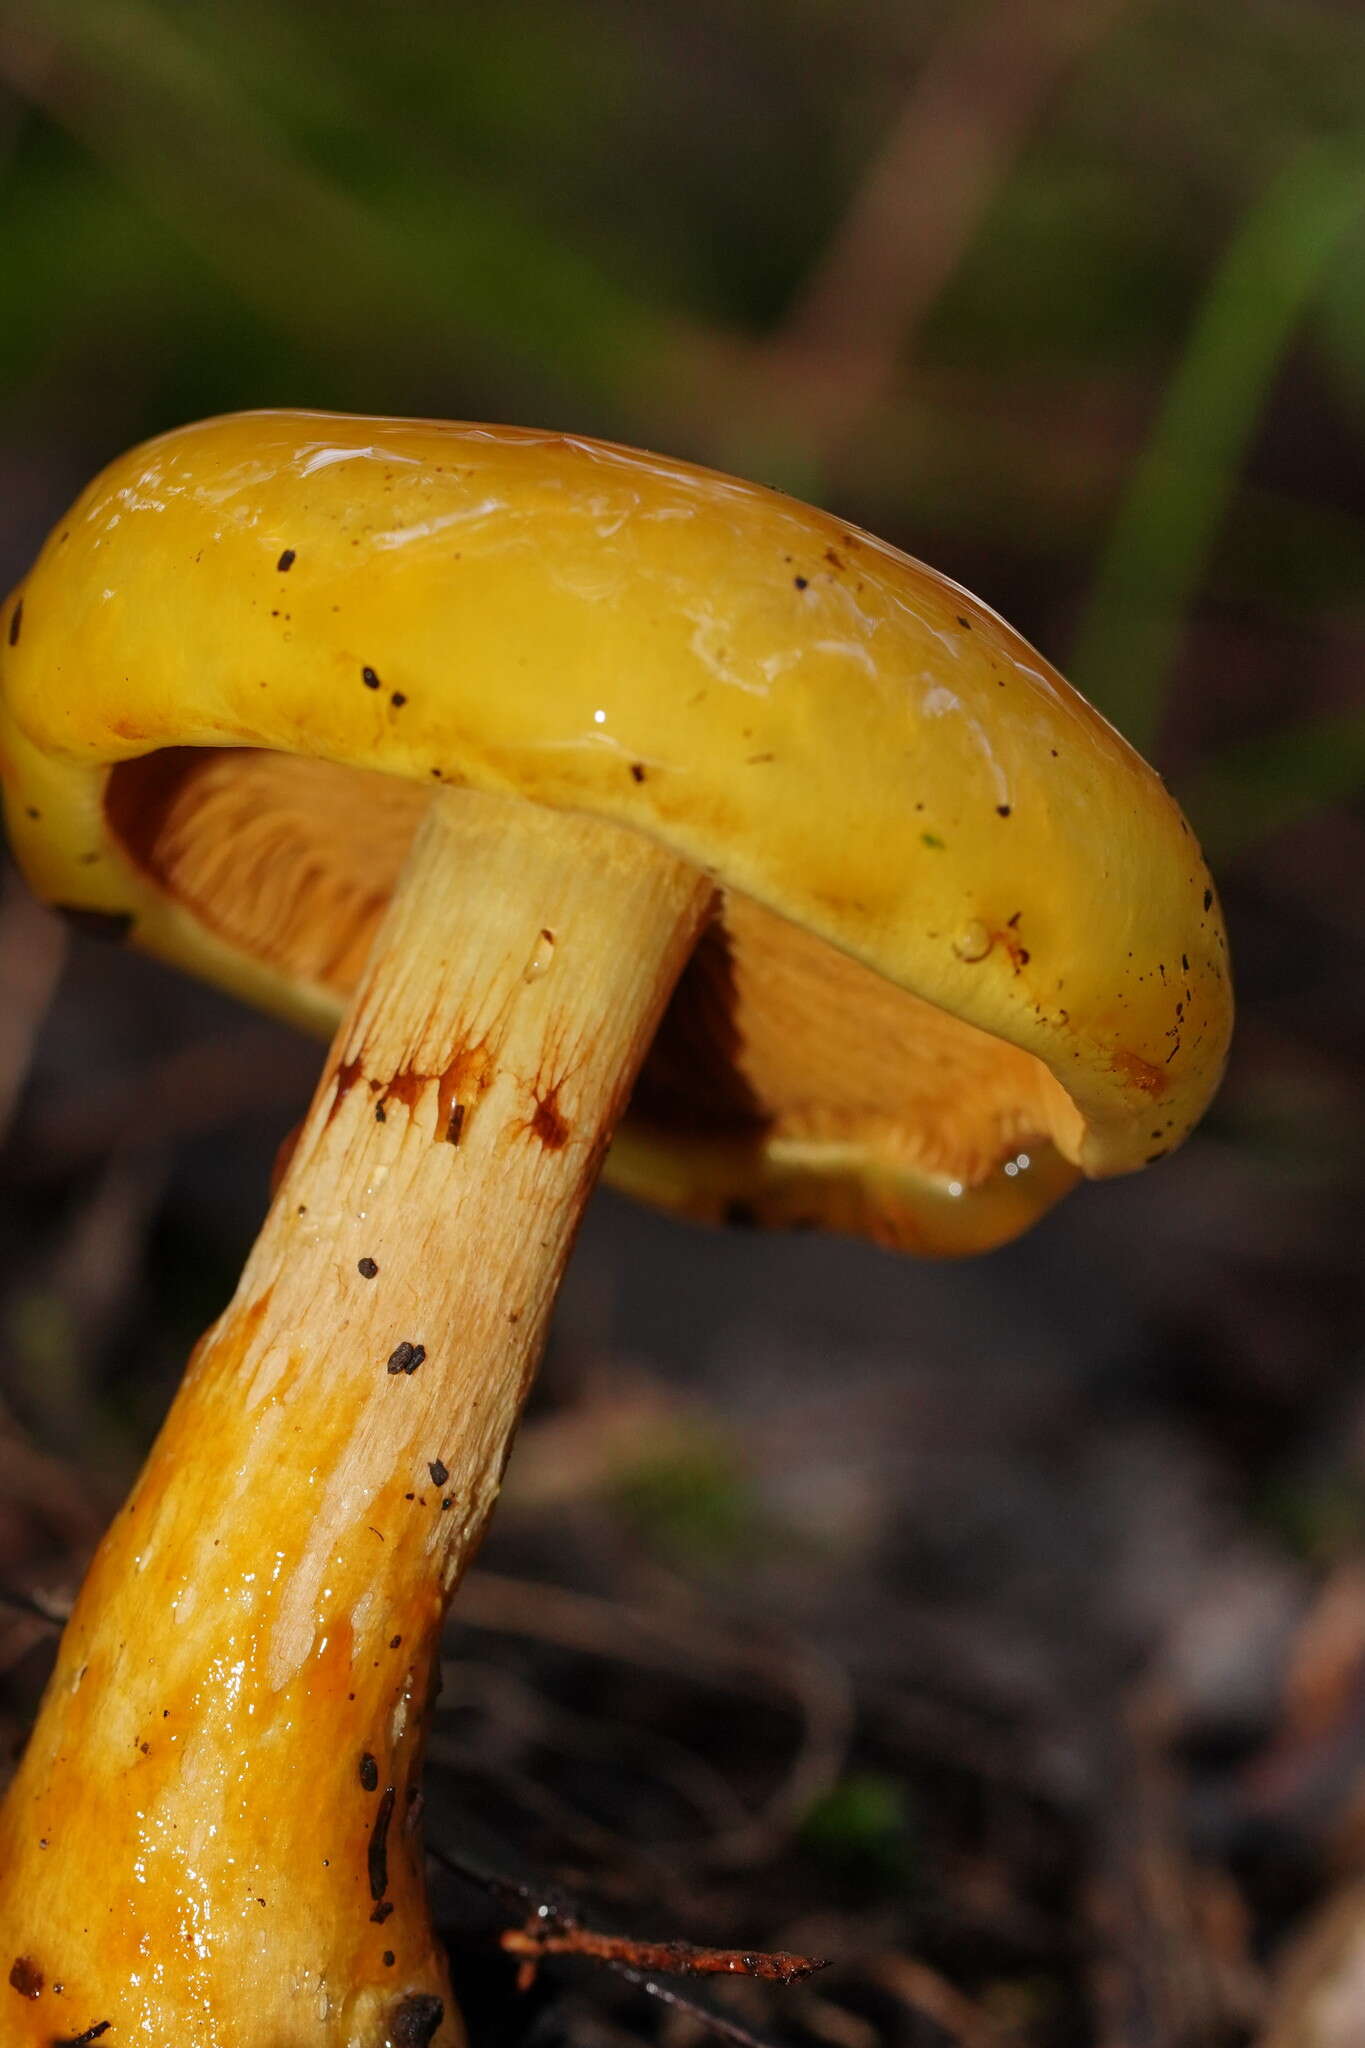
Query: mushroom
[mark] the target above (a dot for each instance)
(520, 764)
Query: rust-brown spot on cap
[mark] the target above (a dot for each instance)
(26, 1977)
(1139, 1073)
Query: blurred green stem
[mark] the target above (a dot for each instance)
(1160, 543)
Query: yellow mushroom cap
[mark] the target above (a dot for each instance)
(966, 945)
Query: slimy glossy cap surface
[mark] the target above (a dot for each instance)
(966, 947)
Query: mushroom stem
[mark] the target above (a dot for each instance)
(214, 1833)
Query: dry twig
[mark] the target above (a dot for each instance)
(552, 1928)
(552, 1933)
(972, 108)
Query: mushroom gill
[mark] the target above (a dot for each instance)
(772, 1034)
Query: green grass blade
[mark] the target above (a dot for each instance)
(1166, 525)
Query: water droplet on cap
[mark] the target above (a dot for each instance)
(973, 942)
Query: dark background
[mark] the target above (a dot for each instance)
(997, 1630)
